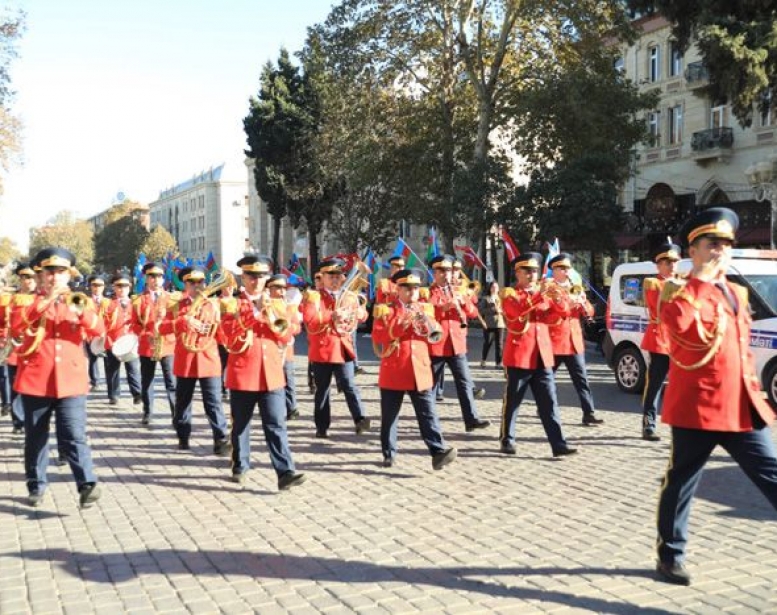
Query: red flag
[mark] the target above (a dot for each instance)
(512, 250)
(470, 256)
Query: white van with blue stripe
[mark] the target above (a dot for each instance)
(627, 318)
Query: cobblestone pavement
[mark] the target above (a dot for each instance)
(488, 534)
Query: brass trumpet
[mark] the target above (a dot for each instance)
(76, 302)
(274, 311)
(423, 326)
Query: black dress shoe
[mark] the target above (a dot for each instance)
(183, 444)
(440, 398)
(478, 424)
(222, 447)
(146, 420)
(388, 462)
(563, 452)
(293, 414)
(35, 498)
(239, 478)
(137, 400)
(5, 409)
(673, 573)
(362, 425)
(89, 494)
(113, 401)
(321, 433)
(290, 479)
(479, 393)
(440, 460)
(507, 449)
(17, 431)
(592, 419)
(650, 435)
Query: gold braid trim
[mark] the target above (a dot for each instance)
(712, 340)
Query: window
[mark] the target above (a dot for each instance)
(675, 60)
(654, 65)
(654, 122)
(718, 116)
(675, 124)
(619, 65)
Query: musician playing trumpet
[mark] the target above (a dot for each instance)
(276, 290)
(149, 309)
(51, 376)
(330, 344)
(118, 322)
(101, 303)
(194, 321)
(407, 329)
(528, 355)
(566, 332)
(452, 310)
(254, 326)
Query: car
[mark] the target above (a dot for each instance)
(626, 317)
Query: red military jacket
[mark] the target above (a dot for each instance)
(325, 345)
(118, 321)
(386, 292)
(655, 338)
(454, 336)
(101, 305)
(145, 323)
(256, 351)
(204, 363)
(716, 395)
(7, 303)
(566, 331)
(528, 337)
(57, 367)
(405, 364)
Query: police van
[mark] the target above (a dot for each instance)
(626, 317)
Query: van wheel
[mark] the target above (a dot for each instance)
(630, 370)
(770, 385)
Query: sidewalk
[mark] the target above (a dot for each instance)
(488, 534)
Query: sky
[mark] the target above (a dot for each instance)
(135, 96)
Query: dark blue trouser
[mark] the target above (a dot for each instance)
(70, 415)
(428, 421)
(575, 364)
(344, 375)
(290, 390)
(494, 334)
(224, 359)
(6, 384)
(651, 398)
(543, 388)
(752, 450)
(272, 411)
(17, 410)
(94, 366)
(211, 399)
(113, 375)
(462, 378)
(147, 372)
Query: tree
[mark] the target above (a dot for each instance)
(66, 231)
(119, 242)
(11, 28)
(9, 252)
(159, 244)
(738, 43)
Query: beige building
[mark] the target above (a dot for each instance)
(698, 152)
(207, 213)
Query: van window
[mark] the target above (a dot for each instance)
(762, 294)
(631, 289)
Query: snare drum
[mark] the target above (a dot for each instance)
(125, 348)
(97, 346)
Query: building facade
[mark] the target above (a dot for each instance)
(697, 153)
(207, 213)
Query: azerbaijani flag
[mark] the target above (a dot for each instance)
(137, 273)
(434, 248)
(404, 250)
(553, 250)
(296, 269)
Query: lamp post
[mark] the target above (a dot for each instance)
(762, 177)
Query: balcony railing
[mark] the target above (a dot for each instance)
(696, 74)
(712, 138)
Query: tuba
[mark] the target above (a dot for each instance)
(209, 315)
(348, 302)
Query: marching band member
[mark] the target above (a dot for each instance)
(256, 332)
(194, 321)
(528, 356)
(566, 333)
(387, 290)
(118, 322)
(8, 302)
(101, 302)
(460, 283)
(148, 312)
(276, 287)
(51, 376)
(406, 329)
(713, 396)
(452, 311)
(330, 346)
(655, 340)
(318, 286)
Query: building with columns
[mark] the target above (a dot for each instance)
(207, 213)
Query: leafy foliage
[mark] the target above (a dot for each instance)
(159, 244)
(119, 242)
(11, 28)
(9, 252)
(66, 231)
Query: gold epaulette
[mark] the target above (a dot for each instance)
(312, 296)
(651, 284)
(5, 299)
(381, 311)
(90, 304)
(506, 292)
(228, 305)
(136, 300)
(23, 300)
(674, 289)
(428, 309)
(423, 293)
(384, 284)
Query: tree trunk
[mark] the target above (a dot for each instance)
(276, 239)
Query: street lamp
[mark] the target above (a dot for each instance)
(762, 177)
